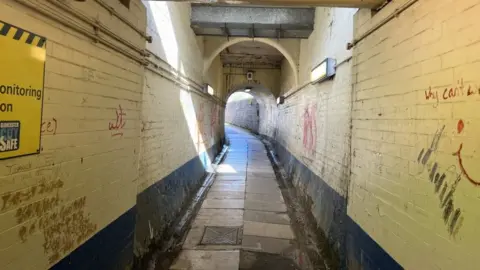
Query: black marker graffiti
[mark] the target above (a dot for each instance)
(452, 217)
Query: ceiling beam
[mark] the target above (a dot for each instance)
(232, 15)
(299, 3)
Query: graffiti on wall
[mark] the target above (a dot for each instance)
(49, 126)
(310, 129)
(63, 226)
(214, 119)
(202, 134)
(449, 93)
(119, 124)
(444, 188)
(458, 154)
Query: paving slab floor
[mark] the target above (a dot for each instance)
(244, 215)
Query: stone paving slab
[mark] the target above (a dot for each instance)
(263, 183)
(266, 217)
(277, 197)
(267, 244)
(219, 217)
(267, 230)
(223, 188)
(263, 190)
(265, 206)
(229, 183)
(261, 175)
(224, 204)
(207, 260)
(262, 178)
(225, 195)
(231, 178)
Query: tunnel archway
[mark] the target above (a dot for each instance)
(207, 62)
(267, 106)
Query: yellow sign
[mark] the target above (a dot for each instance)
(22, 67)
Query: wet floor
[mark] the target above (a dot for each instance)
(243, 223)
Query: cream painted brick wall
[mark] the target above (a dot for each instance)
(177, 124)
(85, 83)
(325, 147)
(432, 45)
(173, 39)
(287, 77)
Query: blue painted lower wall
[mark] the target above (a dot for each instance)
(353, 246)
(160, 204)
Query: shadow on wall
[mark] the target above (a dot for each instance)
(243, 110)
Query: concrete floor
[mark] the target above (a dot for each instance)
(243, 222)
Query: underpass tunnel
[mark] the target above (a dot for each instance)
(253, 107)
(258, 68)
(252, 134)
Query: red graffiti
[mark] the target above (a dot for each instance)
(49, 127)
(460, 127)
(202, 134)
(214, 118)
(430, 94)
(453, 92)
(310, 129)
(119, 122)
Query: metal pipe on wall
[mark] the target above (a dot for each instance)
(127, 22)
(397, 12)
(141, 60)
(75, 27)
(174, 69)
(96, 25)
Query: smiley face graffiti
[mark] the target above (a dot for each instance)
(460, 127)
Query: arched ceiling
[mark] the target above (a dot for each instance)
(251, 54)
